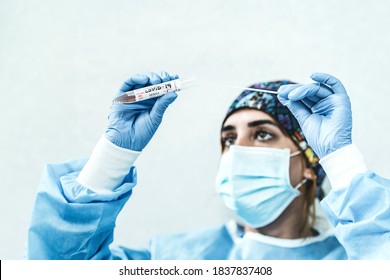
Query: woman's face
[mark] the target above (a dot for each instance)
(253, 128)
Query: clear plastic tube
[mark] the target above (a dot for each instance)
(174, 85)
(154, 91)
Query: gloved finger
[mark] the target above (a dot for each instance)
(323, 93)
(139, 80)
(161, 105)
(309, 103)
(298, 109)
(154, 78)
(144, 105)
(335, 104)
(310, 90)
(329, 80)
(284, 90)
(166, 77)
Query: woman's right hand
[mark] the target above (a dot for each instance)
(132, 126)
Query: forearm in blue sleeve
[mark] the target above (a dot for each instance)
(70, 221)
(361, 216)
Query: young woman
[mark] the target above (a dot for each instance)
(269, 175)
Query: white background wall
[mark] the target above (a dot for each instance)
(61, 62)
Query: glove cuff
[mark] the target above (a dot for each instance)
(107, 166)
(342, 165)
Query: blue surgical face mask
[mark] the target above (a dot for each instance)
(255, 183)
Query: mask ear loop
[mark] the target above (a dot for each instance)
(304, 179)
(295, 153)
(301, 184)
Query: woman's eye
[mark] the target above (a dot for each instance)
(228, 141)
(263, 135)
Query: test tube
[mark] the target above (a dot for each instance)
(153, 91)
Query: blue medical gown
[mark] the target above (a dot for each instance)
(70, 221)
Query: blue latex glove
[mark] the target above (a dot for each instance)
(132, 126)
(323, 111)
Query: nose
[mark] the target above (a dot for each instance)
(243, 141)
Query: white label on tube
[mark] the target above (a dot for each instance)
(156, 90)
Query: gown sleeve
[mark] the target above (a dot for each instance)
(358, 205)
(71, 221)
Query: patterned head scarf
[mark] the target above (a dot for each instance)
(270, 104)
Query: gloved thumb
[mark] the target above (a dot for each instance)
(162, 104)
(298, 109)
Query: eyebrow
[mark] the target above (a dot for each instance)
(251, 124)
(260, 122)
(228, 128)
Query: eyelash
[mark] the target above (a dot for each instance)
(230, 139)
(268, 135)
